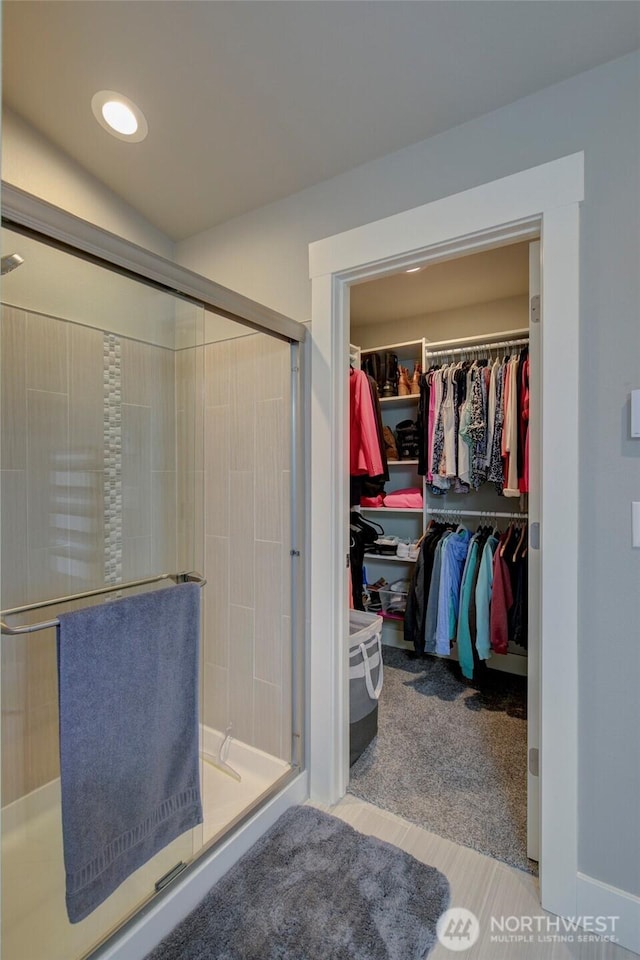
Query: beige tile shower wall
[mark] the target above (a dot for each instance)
(52, 503)
(246, 407)
(149, 526)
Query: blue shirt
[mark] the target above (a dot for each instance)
(454, 554)
(431, 620)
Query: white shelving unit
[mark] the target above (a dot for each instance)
(410, 398)
(405, 524)
(387, 559)
(392, 510)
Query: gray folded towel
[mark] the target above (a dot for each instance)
(128, 675)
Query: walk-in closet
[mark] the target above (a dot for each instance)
(443, 476)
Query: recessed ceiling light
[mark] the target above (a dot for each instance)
(413, 270)
(119, 116)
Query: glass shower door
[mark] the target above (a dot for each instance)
(96, 489)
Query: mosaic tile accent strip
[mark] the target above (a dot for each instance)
(112, 459)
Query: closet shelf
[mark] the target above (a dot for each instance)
(401, 463)
(410, 398)
(391, 509)
(391, 557)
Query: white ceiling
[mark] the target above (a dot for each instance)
(478, 278)
(250, 101)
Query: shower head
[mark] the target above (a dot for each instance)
(10, 262)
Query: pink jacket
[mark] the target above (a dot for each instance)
(365, 456)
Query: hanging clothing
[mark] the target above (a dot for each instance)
(496, 464)
(365, 449)
(422, 425)
(519, 615)
(449, 465)
(454, 555)
(431, 619)
(431, 424)
(523, 410)
(464, 437)
(478, 428)
(491, 412)
(438, 477)
(484, 588)
(510, 431)
(416, 612)
(501, 602)
(463, 636)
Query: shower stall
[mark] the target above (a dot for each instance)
(145, 437)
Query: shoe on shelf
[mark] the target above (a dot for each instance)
(403, 549)
(415, 379)
(404, 383)
(391, 375)
(386, 545)
(407, 440)
(375, 603)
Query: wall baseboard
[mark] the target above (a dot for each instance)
(146, 932)
(599, 899)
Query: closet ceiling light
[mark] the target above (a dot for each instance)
(413, 270)
(119, 116)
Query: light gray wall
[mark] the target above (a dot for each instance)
(34, 164)
(510, 313)
(264, 255)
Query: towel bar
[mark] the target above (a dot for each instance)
(114, 588)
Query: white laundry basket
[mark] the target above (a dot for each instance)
(365, 679)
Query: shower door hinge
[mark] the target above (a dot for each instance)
(534, 761)
(294, 553)
(535, 308)
(534, 536)
(171, 875)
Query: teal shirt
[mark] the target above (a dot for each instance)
(483, 599)
(465, 650)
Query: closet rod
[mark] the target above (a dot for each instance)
(474, 348)
(113, 588)
(477, 513)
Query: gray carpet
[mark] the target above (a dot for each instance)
(451, 757)
(314, 889)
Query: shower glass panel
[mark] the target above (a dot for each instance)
(245, 406)
(141, 435)
(95, 489)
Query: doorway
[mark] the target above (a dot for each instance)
(542, 201)
(452, 738)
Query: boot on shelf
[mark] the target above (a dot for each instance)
(390, 447)
(404, 383)
(390, 388)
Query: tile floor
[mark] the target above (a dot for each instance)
(479, 883)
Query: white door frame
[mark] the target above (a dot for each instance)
(543, 200)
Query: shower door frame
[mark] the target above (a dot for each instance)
(34, 217)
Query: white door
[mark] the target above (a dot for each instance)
(533, 682)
